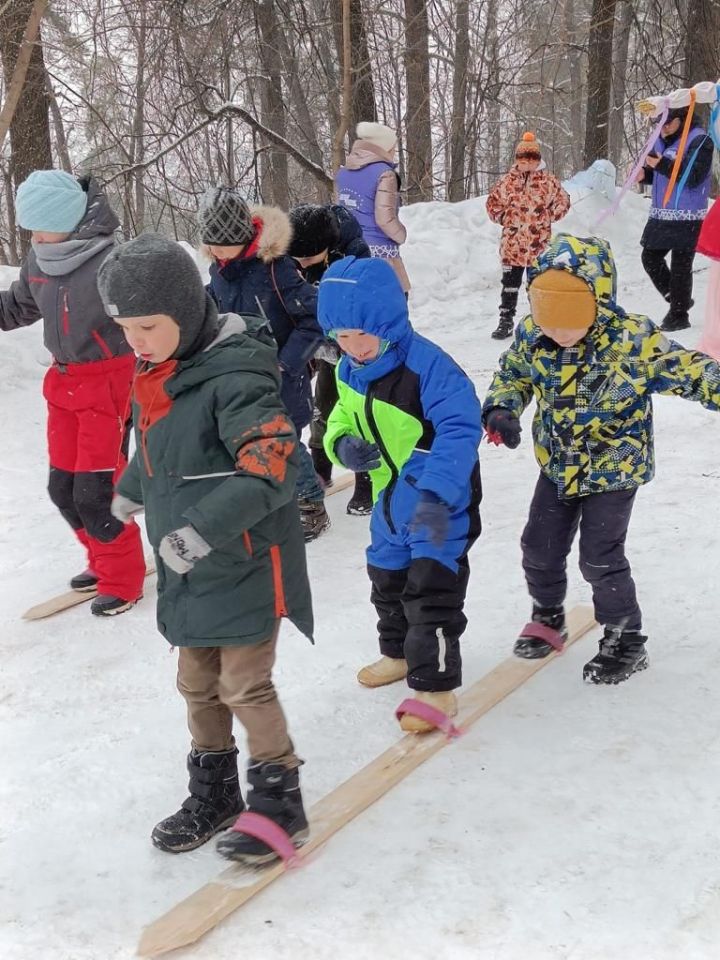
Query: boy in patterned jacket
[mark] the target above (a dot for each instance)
(592, 369)
(526, 202)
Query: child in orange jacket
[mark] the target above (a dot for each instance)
(526, 202)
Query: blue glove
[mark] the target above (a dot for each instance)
(357, 454)
(433, 514)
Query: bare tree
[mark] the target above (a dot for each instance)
(600, 45)
(458, 143)
(418, 142)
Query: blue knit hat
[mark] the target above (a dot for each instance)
(50, 200)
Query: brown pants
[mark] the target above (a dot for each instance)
(221, 682)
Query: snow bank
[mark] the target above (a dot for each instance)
(452, 249)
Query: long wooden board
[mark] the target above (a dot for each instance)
(65, 601)
(201, 911)
(71, 598)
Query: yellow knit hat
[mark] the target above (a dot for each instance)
(528, 148)
(560, 299)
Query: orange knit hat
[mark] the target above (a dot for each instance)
(528, 148)
(559, 298)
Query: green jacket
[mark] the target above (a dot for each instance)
(215, 449)
(592, 427)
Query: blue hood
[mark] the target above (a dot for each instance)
(366, 295)
(363, 295)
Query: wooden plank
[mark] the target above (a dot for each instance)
(342, 483)
(201, 911)
(65, 601)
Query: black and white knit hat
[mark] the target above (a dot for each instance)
(224, 218)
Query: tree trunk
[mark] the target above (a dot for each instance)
(346, 91)
(418, 143)
(458, 145)
(274, 161)
(619, 81)
(362, 102)
(575, 75)
(702, 41)
(61, 146)
(493, 93)
(600, 43)
(30, 128)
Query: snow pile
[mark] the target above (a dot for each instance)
(452, 249)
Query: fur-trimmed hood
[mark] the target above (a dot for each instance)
(275, 234)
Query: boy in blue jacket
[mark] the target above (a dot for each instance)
(409, 415)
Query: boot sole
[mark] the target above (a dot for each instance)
(90, 588)
(613, 682)
(116, 610)
(194, 844)
(310, 536)
(260, 859)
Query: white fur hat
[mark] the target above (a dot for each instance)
(377, 133)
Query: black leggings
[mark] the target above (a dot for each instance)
(674, 282)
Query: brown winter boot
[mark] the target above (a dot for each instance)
(383, 671)
(444, 700)
(314, 518)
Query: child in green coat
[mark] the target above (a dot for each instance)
(214, 470)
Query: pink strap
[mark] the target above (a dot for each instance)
(541, 631)
(265, 829)
(416, 708)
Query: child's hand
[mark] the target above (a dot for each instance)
(652, 161)
(124, 509)
(433, 514)
(357, 454)
(503, 426)
(181, 549)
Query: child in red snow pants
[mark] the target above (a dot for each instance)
(88, 434)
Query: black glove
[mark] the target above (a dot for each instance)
(503, 426)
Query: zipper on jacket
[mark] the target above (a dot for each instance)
(394, 472)
(65, 314)
(144, 424)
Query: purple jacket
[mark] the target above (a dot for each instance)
(691, 204)
(367, 187)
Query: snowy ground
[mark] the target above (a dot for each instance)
(571, 822)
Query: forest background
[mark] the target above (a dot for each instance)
(159, 99)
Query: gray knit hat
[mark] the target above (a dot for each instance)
(152, 274)
(224, 218)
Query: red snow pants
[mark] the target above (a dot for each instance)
(88, 435)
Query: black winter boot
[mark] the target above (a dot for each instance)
(215, 802)
(675, 320)
(274, 793)
(621, 654)
(504, 328)
(85, 582)
(323, 465)
(533, 648)
(360, 503)
(105, 605)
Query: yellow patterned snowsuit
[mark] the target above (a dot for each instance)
(592, 427)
